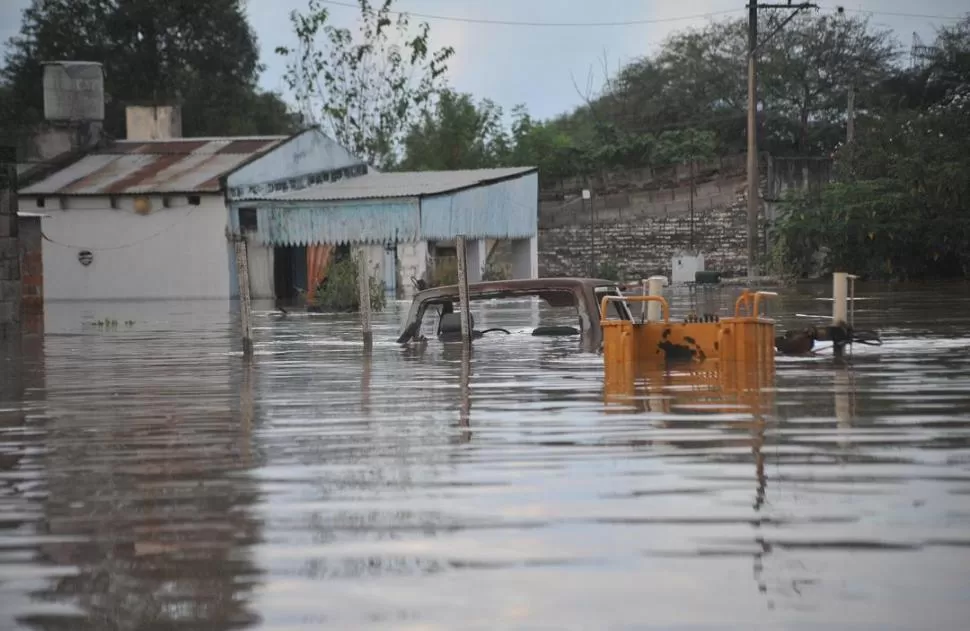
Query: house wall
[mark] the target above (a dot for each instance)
(175, 252)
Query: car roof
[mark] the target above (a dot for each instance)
(525, 286)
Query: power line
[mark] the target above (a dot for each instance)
(451, 18)
(124, 246)
(898, 15)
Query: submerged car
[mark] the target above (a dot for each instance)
(584, 294)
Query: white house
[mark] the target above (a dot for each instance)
(147, 219)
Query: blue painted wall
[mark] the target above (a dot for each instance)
(503, 210)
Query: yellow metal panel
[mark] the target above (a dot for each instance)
(746, 338)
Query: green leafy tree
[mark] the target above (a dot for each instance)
(456, 134)
(807, 72)
(698, 80)
(902, 206)
(534, 143)
(203, 56)
(366, 91)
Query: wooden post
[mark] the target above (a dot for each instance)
(464, 309)
(363, 288)
(245, 300)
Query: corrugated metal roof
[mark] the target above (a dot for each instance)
(397, 185)
(189, 165)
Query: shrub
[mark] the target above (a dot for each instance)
(493, 270)
(338, 291)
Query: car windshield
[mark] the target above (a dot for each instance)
(617, 309)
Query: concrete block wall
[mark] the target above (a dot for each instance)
(644, 246)
(642, 217)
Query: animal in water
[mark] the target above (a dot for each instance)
(796, 342)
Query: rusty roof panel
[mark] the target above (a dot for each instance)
(253, 145)
(137, 176)
(166, 147)
(193, 165)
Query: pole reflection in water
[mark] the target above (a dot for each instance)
(711, 392)
(367, 365)
(465, 399)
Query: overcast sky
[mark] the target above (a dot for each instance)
(536, 65)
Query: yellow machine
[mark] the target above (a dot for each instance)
(748, 337)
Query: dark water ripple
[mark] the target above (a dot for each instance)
(149, 479)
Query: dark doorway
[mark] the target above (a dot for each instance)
(289, 273)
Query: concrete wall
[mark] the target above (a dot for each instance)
(647, 178)
(525, 258)
(175, 252)
(412, 260)
(634, 204)
(789, 174)
(261, 277)
(375, 260)
(475, 254)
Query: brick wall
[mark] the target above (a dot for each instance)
(9, 252)
(31, 265)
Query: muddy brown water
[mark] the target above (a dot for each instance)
(149, 479)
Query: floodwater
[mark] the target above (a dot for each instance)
(150, 479)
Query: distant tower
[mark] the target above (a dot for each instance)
(919, 52)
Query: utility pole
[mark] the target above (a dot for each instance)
(752, 139)
(692, 204)
(753, 46)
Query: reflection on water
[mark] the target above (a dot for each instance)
(152, 479)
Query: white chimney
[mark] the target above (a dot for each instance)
(153, 122)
